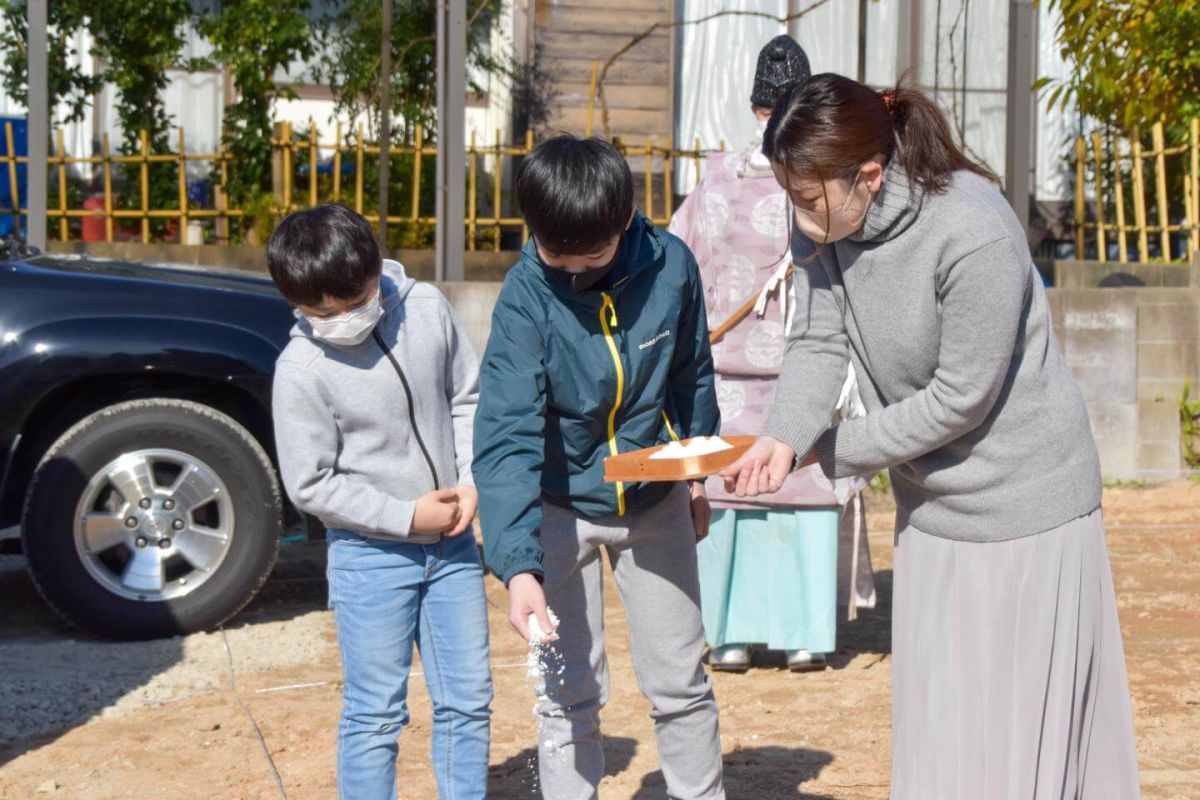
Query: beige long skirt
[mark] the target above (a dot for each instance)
(1009, 672)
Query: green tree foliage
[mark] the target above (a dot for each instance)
(254, 39)
(350, 58)
(67, 82)
(138, 41)
(1135, 61)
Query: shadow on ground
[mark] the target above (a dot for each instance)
(518, 777)
(764, 772)
(55, 677)
(871, 633)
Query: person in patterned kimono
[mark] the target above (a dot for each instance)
(769, 569)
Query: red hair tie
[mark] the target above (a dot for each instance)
(889, 99)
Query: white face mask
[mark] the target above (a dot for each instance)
(350, 328)
(843, 221)
(758, 161)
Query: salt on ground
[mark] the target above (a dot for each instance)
(697, 446)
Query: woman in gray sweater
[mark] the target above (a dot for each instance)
(1009, 673)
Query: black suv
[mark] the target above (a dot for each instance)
(136, 452)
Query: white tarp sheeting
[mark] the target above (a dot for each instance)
(77, 137)
(717, 73)
(965, 39)
(963, 61)
(194, 101)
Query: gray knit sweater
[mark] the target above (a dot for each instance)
(970, 402)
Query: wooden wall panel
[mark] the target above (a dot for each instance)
(572, 34)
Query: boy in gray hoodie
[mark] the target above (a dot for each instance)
(374, 400)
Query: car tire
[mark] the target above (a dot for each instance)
(192, 543)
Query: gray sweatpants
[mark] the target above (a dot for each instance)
(653, 553)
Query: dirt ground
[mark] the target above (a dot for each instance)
(88, 719)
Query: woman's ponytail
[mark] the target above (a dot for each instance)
(928, 151)
(829, 126)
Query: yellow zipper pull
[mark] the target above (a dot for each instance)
(612, 310)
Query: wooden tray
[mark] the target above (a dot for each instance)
(637, 467)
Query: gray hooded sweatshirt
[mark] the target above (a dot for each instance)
(364, 431)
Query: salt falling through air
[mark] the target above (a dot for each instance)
(545, 663)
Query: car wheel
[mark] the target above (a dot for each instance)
(152, 518)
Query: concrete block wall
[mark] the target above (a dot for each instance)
(1064, 274)
(473, 301)
(1168, 356)
(1132, 350)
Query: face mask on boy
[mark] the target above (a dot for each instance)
(583, 281)
(842, 221)
(350, 328)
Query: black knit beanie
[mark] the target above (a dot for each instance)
(780, 62)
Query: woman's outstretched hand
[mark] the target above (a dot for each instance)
(761, 470)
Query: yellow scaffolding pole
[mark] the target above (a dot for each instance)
(1160, 185)
(144, 181)
(64, 230)
(1139, 198)
(183, 197)
(1080, 200)
(1098, 159)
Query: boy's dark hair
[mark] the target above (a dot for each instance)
(575, 194)
(327, 250)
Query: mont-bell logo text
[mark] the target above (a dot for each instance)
(655, 340)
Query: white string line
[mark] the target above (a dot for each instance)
(414, 674)
(250, 715)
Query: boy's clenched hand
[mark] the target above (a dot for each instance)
(438, 511)
(468, 501)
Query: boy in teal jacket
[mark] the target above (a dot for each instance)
(599, 346)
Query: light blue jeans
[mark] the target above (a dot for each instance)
(387, 596)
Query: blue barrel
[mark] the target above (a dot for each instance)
(20, 129)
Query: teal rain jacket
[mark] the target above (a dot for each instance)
(570, 378)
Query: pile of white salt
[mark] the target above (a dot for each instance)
(697, 446)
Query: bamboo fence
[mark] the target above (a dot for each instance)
(1158, 186)
(298, 159)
